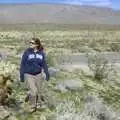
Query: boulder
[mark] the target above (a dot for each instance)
(3, 56)
(71, 85)
(61, 88)
(52, 71)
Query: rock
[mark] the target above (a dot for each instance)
(3, 56)
(52, 71)
(4, 114)
(61, 88)
(69, 85)
(73, 84)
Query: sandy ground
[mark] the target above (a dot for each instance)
(80, 61)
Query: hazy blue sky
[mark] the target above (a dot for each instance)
(109, 3)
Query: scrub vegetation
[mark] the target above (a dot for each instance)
(96, 98)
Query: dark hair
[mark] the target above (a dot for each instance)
(38, 43)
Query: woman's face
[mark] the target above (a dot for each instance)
(32, 44)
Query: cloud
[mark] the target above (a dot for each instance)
(97, 2)
(106, 3)
(75, 2)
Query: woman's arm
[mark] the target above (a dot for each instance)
(45, 67)
(22, 66)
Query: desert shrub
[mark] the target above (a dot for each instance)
(99, 66)
(53, 58)
(115, 47)
(95, 109)
(70, 108)
(112, 97)
(50, 58)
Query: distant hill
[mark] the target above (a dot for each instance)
(57, 14)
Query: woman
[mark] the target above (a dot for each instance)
(31, 69)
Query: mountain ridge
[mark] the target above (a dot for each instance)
(58, 14)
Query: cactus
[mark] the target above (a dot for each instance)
(6, 71)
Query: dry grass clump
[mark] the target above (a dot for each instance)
(99, 66)
(94, 109)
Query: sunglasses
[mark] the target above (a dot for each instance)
(31, 42)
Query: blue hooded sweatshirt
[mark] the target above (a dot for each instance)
(33, 63)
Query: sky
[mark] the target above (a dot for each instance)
(115, 4)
